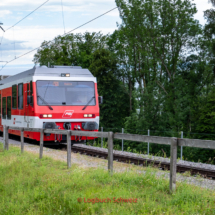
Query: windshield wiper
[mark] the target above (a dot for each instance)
(45, 102)
(88, 103)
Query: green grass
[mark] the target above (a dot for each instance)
(29, 185)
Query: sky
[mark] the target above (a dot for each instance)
(46, 23)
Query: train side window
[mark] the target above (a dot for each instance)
(31, 92)
(20, 96)
(31, 88)
(9, 107)
(27, 88)
(4, 108)
(0, 105)
(14, 96)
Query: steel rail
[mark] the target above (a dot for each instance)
(206, 173)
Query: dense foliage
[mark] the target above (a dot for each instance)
(116, 102)
(156, 71)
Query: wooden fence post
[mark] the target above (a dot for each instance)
(22, 139)
(173, 164)
(41, 143)
(4, 128)
(6, 144)
(110, 152)
(68, 149)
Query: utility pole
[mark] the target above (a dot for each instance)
(1, 27)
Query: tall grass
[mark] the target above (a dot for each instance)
(29, 185)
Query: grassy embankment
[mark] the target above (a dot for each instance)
(32, 186)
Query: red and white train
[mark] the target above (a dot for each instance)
(61, 97)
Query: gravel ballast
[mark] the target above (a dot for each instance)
(150, 157)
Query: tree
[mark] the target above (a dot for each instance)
(72, 49)
(206, 116)
(157, 37)
(116, 101)
(209, 32)
(117, 44)
(212, 1)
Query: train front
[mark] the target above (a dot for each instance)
(67, 100)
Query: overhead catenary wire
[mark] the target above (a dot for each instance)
(1, 61)
(61, 35)
(21, 20)
(90, 21)
(2, 38)
(63, 16)
(27, 15)
(2, 29)
(34, 11)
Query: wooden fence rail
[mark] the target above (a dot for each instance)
(143, 138)
(172, 141)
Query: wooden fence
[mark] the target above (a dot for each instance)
(172, 141)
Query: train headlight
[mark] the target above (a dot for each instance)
(89, 115)
(45, 115)
(65, 74)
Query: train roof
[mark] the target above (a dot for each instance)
(55, 71)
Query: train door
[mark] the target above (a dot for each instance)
(9, 110)
(0, 109)
(26, 105)
(14, 104)
(29, 103)
(21, 110)
(6, 109)
(4, 115)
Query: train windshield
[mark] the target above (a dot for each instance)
(65, 93)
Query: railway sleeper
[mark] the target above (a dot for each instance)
(141, 162)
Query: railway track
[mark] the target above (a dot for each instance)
(206, 173)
